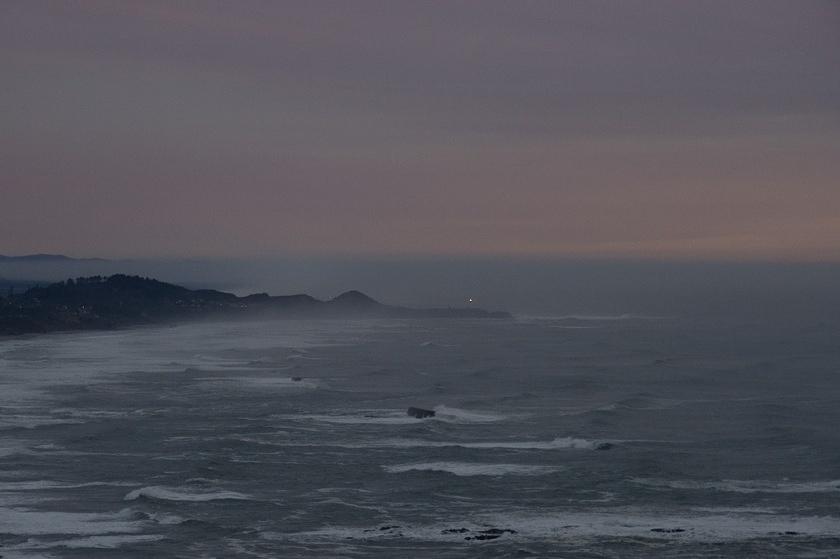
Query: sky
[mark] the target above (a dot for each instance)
(669, 130)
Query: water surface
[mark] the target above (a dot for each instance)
(567, 436)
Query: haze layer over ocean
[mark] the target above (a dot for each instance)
(530, 286)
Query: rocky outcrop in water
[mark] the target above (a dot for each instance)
(420, 413)
(490, 534)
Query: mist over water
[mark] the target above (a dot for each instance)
(594, 436)
(526, 286)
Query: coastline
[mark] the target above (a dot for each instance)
(120, 301)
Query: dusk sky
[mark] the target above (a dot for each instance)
(652, 129)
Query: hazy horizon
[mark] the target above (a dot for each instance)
(530, 286)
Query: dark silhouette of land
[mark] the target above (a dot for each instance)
(120, 300)
(47, 258)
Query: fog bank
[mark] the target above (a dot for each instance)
(523, 286)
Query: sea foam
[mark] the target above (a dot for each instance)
(473, 468)
(456, 415)
(443, 413)
(745, 486)
(183, 494)
(575, 526)
(33, 523)
(560, 443)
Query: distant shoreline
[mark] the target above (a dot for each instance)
(122, 301)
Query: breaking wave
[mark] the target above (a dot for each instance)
(443, 413)
(559, 443)
(472, 469)
(745, 486)
(166, 494)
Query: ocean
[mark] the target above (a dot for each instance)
(568, 436)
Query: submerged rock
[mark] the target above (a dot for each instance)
(383, 529)
(490, 534)
(604, 446)
(420, 413)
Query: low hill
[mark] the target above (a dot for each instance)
(120, 300)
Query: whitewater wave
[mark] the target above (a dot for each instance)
(10, 447)
(590, 317)
(744, 486)
(443, 413)
(373, 417)
(457, 415)
(183, 494)
(35, 485)
(9, 422)
(262, 382)
(432, 344)
(559, 443)
(35, 523)
(572, 526)
(111, 541)
(472, 469)
(335, 501)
